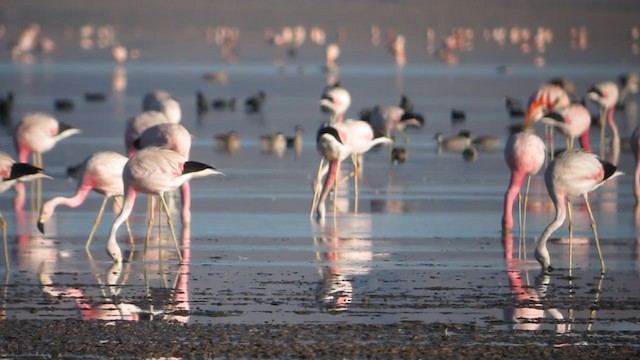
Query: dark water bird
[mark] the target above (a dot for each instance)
(399, 155)
(201, 103)
(455, 142)
(6, 105)
(486, 142)
(223, 104)
(572, 173)
(94, 97)
(514, 107)
(63, 104)
(254, 104)
(457, 114)
(295, 141)
(406, 104)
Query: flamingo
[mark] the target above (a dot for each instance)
(390, 118)
(548, 98)
(573, 121)
(335, 143)
(524, 153)
(101, 172)
(38, 133)
(175, 137)
(154, 171)
(572, 173)
(606, 94)
(336, 100)
(138, 124)
(160, 100)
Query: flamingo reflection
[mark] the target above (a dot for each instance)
(166, 302)
(344, 258)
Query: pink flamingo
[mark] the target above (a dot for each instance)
(548, 98)
(175, 137)
(524, 153)
(573, 121)
(138, 124)
(160, 100)
(390, 118)
(154, 171)
(38, 133)
(336, 100)
(101, 172)
(335, 143)
(572, 173)
(605, 94)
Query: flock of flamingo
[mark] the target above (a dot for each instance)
(158, 149)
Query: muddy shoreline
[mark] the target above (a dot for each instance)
(92, 339)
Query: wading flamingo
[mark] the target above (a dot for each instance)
(38, 133)
(605, 94)
(154, 171)
(101, 172)
(524, 153)
(572, 173)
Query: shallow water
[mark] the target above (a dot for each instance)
(424, 245)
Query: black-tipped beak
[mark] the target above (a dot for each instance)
(41, 227)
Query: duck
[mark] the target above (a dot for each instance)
(275, 144)
(454, 143)
(254, 103)
(228, 142)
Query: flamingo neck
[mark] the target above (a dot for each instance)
(113, 249)
(515, 184)
(542, 253)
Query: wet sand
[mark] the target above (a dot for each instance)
(420, 269)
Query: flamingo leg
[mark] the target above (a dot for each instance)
(170, 222)
(602, 132)
(95, 223)
(520, 233)
(39, 185)
(148, 235)
(524, 206)
(595, 306)
(3, 224)
(316, 189)
(335, 192)
(570, 217)
(595, 233)
(354, 158)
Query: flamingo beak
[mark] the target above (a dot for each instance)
(41, 227)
